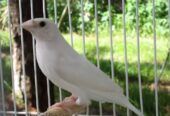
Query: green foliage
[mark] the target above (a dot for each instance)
(89, 17)
(4, 39)
(145, 13)
(3, 14)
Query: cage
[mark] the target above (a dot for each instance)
(128, 40)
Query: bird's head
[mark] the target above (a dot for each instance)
(41, 28)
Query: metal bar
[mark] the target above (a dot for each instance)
(55, 14)
(44, 10)
(55, 11)
(138, 49)
(155, 60)
(29, 113)
(83, 31)
(70, 22)
(48, 84)
(169, 20)
(111, 50)
(2, 83)
(97, 38)
(125, 53)
(168, 43)
(97, 46)
(34, 59)
(83, 38)
(11, 60)
(19, 113)
(23, 58)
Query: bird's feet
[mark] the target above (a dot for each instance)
(68, 105)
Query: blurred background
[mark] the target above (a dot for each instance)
(88, 36)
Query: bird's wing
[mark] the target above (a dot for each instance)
(80, 72)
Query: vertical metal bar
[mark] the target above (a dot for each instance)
(48, 84)
(83, 38)
(70, 22)
(55, 11)
(97, 38)
(169, 19)
(138, 49)
(111, 40)
(83, 31)
(23, 58)
(125, 53)
(155, 60)
(55, 14)
(44, 9)
(60, 94)
(11, 59)
(2, 84)
(34, 59)
(111, 50)
(97, 46)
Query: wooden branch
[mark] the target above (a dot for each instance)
(69, 111)
(62, 16)
(65, 10)
(164, 65)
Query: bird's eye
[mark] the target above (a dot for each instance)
(42, 24)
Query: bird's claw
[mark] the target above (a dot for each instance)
(67, 102)
(67, 105)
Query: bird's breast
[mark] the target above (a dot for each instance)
(48, 59)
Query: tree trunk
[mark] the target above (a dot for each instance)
(28, 55)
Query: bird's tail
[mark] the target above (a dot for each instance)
(124, 102)
(117, 98)
(134, 109)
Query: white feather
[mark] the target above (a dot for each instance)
(71, 71)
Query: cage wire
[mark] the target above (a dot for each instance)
(3, 110)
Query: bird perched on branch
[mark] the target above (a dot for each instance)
(64, 67)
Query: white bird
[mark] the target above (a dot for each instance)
(64, 67)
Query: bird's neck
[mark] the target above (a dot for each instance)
(56, 41)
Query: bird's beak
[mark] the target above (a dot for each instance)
(28, 25)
